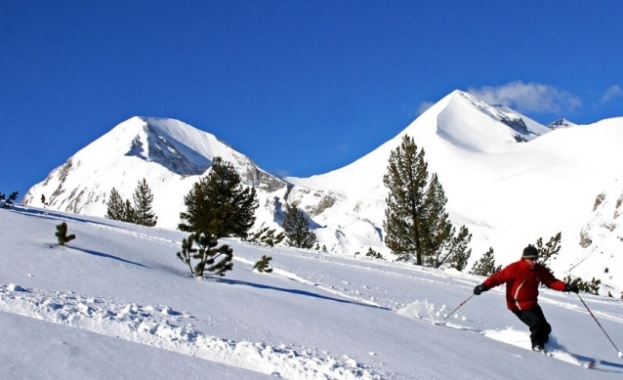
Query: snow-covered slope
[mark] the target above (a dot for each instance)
(116, 303)
(509, 179)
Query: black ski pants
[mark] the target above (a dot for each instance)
(535, 320)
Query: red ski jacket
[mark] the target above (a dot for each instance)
(522, 284)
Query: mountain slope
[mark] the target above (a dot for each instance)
(117, 303)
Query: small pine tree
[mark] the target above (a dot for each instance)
(548, 251)
(143, 199)
(9, 201)
(437, 247)
(374, 254)
(13, 197)
(267, 236)
(591, 287)
(296, 228)
(217, 260)
(61, 234)
(455, 250)
(486, 265)
(262, 265)
(115, 205)
(459, 249)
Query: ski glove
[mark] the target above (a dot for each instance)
(572, 287)
(479, 289)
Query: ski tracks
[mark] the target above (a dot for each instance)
(162, 327)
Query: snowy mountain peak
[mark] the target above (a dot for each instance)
(155, 144)
(170, 154)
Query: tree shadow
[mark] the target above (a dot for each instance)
(51, 214)
(297, 291)
(107, 256)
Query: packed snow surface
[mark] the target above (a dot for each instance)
(117, 303)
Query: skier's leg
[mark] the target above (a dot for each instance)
(532, 320)
(543, 328)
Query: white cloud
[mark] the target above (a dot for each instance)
(424, 106)
(611, 93)
(529, 97)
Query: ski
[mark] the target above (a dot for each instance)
(569, 358)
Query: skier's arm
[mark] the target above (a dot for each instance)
(548, 279)
(492, 281)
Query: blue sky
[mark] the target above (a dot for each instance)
(301, 87)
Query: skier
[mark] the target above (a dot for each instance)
(522, 279)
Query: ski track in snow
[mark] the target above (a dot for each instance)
(160, 326)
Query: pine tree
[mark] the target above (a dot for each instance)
(296, 228)
(217, 206)
(416, 222)
(128, 213)
(9, 201)
(143, 199)
(267, 236)
(374, 254)
(486, 265)
(61, 234)
(216, 260)
(458, 251)
(550, 250)
(405, 223)
(220, 204)
(115, 205)
(262, 265)
(440, 231)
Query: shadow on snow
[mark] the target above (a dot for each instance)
(299, 292)
(107, 256)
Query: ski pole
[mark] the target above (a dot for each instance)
(600, 326)
(458, 307)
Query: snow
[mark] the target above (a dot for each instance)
(116, 302)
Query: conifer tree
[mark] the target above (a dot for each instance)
(61, 234)
(374, 254)
(550, 250)
(405, 216)
(216, 260)
(263, 265)
(115, 205)
(457, 249)
(486, 265)
(417, 224)
(439, 230)
(128, 213)
(217, 206)
(9, 201)
(143, 199)
(266, 235)
(13, 197)
(296, 228)
(219, 203)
